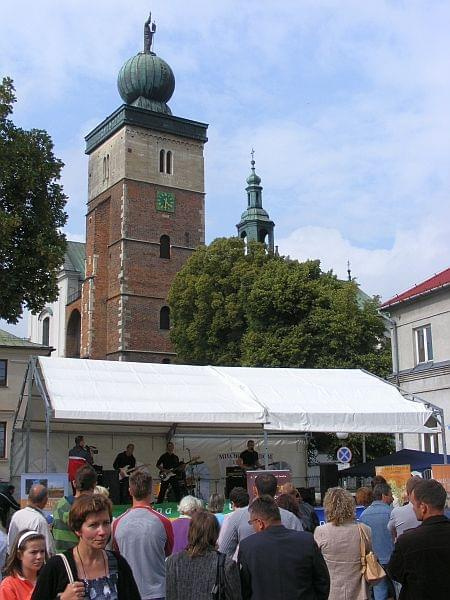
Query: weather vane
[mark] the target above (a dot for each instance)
(253, 156)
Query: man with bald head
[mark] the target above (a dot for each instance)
(32, 517)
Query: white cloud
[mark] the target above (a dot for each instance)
(414, 256)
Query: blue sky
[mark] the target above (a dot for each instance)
(345, 102)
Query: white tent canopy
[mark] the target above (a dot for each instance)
(283, 400)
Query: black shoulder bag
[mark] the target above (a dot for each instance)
(218, 591)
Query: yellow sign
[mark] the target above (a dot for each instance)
(442, 474)
(396, 476)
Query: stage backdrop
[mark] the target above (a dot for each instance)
(216, 452)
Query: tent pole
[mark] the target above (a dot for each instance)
(28, 409)
(266, 449)
(364, 454)
(47, 437)
(444, 441)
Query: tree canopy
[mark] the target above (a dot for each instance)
(31, 215)
(232, 307)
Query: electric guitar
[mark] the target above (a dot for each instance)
(169, 473)
(127, 470)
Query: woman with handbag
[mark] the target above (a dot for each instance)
(88, 570)
(200, 572)
(340, 542)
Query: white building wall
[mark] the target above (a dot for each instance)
(430, 381)
(56, 311)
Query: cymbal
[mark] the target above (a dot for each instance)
(197, 462)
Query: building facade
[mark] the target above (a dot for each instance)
(145, 214)
(14, 356)
(59, 324)
(420, 332)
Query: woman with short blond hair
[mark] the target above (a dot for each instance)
(340, 542)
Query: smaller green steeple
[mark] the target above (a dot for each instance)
(255, 223)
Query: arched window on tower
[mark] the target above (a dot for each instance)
(169, 162)
(162, 160)
(262, 235)
(73, 334)
(46, 331)
(164, 246)
(245, 240)
(164, 318)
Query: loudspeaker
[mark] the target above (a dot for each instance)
(328, 477)
(234, 480)
(110, 480)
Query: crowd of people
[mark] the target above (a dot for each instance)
(271, 548)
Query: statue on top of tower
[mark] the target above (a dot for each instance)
(149, 32)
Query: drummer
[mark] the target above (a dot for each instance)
(249, 458)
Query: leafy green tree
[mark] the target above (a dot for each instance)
(208, 301)
(301, 317)
(255, 309)
(31, 215)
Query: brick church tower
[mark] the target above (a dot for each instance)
(145, 214)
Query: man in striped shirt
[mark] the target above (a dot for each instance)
(85, 482)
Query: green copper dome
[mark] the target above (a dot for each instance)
(146, 80)
(253, 178)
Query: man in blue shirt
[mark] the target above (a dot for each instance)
(376, 516)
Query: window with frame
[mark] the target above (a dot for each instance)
(166, 162)
(2, 439)
(424, 344)
(3, 372)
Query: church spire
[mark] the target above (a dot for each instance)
(255, 224)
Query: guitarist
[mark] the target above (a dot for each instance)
(165, 463)
(122, 460)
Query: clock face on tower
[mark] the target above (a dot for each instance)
(165, 201)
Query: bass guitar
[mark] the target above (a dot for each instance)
(127, 470)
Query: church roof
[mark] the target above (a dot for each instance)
(9, 340)
(439, 280)
(74, 257)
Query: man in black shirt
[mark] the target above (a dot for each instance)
(249, 457)
(165, 463)
(122, 460)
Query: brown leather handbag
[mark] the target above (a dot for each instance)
(372, 570)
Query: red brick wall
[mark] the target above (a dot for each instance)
(125, 319)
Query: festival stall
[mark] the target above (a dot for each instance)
(207, 411)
